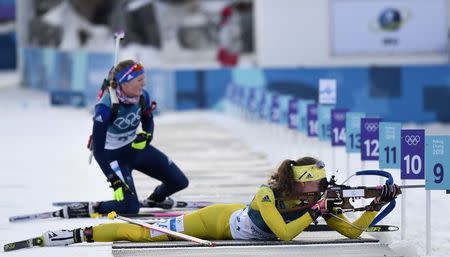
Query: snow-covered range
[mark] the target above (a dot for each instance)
(44, 160)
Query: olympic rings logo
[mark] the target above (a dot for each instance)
(371, 127)
(412, 140)
(132, 119)
(339, 116)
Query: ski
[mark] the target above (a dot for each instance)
(177, 204)
(59, 214)
(376, 228)
(152, 220)
(382, 228)
(36, 216)
(76, 210)
(192, 204)
(37, 241)
(155, 214)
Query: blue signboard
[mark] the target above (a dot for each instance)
(312, 120)
(254, 105)
(97, 68)
(437, 152)
(35, 74)
(324, 122)
(235, 95)
(78, 82)
(275, 109)
(338, 127)
(353, 131)
(229, 92)
(240, 96)
(293, 113)
(267, 106)
(245, 98)
(262, 105)
(62, 72)
(49, 65)
(161, 86)
(251, 100)
(412, 154)
(283, 109)
(389, 145)
(370, 146)
(303, 115)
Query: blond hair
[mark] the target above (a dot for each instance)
(120, 66)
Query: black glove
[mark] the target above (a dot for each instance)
(142, 140)
(119, 187)
(387, 194)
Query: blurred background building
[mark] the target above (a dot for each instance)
(385, 55)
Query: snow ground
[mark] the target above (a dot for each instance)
(44, 159)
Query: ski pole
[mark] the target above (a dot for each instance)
(113, 215)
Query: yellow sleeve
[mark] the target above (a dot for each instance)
(348, 230)
(265, 203)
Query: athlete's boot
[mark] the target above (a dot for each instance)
(167, 203)
(62, 237)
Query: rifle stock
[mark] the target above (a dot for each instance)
(341, 195)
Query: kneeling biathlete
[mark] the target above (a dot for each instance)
(119, 148)
(280, 210)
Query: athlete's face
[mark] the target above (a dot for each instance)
(134, 87)
(308, 187)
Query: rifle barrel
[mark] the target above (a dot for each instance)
(412, 186)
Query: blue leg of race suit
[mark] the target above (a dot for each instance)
(130, 202)
(156, 164)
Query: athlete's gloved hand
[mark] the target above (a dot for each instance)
(119, 187)
(323, 206)
(142, 140)
(387, 194)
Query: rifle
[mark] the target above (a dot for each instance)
(340, 196)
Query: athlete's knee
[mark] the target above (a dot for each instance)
(183, 182)
(132, 206)
(177, 180)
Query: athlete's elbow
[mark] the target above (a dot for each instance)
(286, 237)
(353, 234)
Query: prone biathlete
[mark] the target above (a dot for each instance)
(278, 211)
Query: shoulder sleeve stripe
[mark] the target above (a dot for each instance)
(102, 111)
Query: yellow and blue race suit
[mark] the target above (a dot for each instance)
(267, 217)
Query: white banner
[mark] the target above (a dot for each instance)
(361, 27)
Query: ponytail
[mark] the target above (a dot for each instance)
(283, 179)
